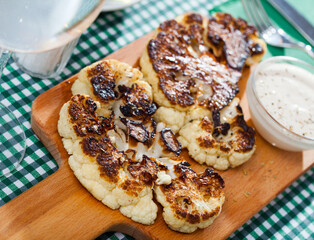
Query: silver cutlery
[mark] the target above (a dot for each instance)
(303, 26)
(272, 34)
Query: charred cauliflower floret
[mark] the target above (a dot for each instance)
(194, 65)
(191, 200)
(136, 101)
(222, 139)
(235, 40)
(181, 68)
(79, 118)
(100, 81)
(106, 172)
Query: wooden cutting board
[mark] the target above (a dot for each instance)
(60, 208)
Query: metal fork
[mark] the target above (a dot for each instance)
(273, 35)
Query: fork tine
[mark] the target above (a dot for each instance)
(265, 15)
(259, 15)
(247, 11)
(272, 34)
(250, 9)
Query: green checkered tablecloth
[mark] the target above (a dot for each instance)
(289, 216)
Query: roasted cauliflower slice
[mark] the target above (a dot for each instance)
(79, 118)
(120, 179)
(111, 176)
(221, 139)
(105, 173)
(100, 81)
(235, 40)
(182, 70)
(121, 152)
(191, 200)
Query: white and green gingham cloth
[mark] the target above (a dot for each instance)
(289, 216)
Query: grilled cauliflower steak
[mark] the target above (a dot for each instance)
(179, 64)
(105, 172)
(193, 65)
(221, 139)
(191, 200)
(125, 155)
(124, 130)
(100, 167)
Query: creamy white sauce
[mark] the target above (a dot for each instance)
(287, 92)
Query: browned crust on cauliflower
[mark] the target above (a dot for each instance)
(110, 161)
(82, 111)
(101, 168)
(244, 135)
(191, 200)
(103, 81)
(234, 39)
(178, 68)
(189, 187)
(108, 158)
(222, 139)
(136, 102)
(181, 57)
(146, 170)
(123, 177)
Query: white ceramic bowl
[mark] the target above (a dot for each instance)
(270, 129)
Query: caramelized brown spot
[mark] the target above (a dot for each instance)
(214, 176)
(103, 82)
(214, 212)
(136, 102)
(246, 136)
(186, 192)
(108, 158)
(183, 171)
(146, 170)
(103, 88)
(234, 37)
(132, 187)
(109, 166)
(182, 62)
(194, 18)
(171, 142)
(136, 130)
(93, 146)
(178, 92)
(207, 142)
(207, 125)
(82, 111)
(219, 128)
(224, 147)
